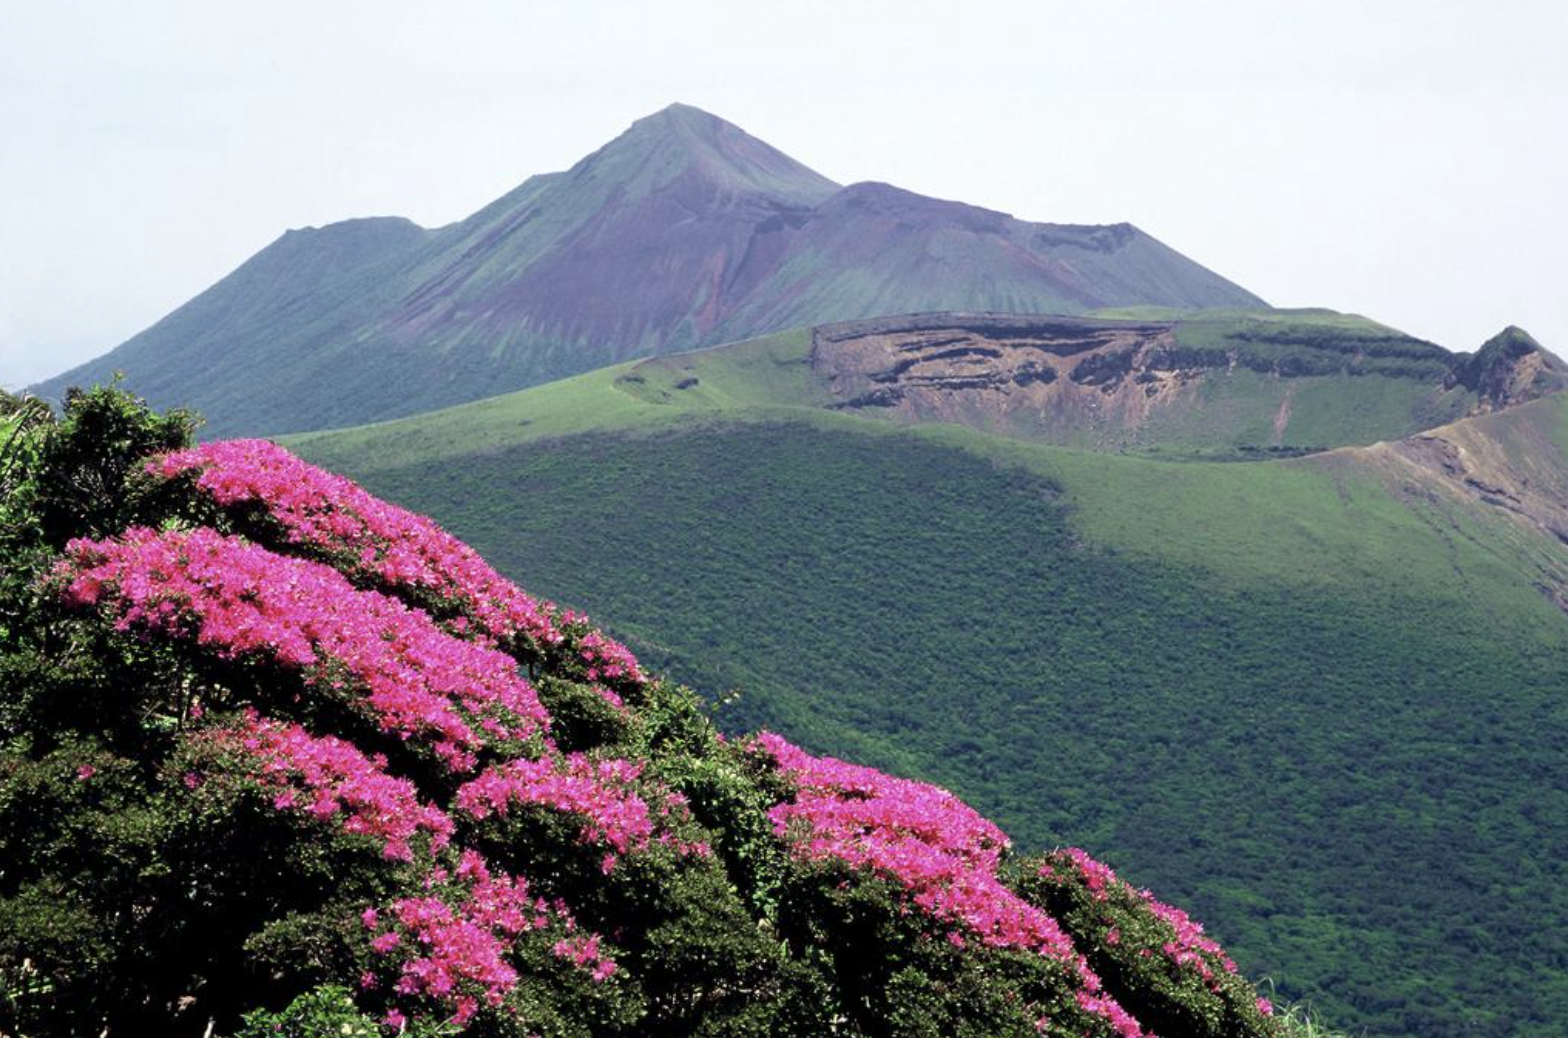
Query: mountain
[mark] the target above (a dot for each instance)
(280, 758)
(683, 231)
(1317, 699)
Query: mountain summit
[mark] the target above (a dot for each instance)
(686, 142)
(683, 231)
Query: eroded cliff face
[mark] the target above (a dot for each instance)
(997, 372)
(1510, 369)
(1081, 381)
(1253, 384)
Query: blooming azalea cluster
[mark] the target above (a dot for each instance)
(328, 778)
(606, 659)
(456, 939)
(603, 793)
(1186, 946)
(245, 601)
(398, 548)
(242, 601)
(942, 852)
(1146, 942)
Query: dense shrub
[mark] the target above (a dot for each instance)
(278, 758)
(1176, 978)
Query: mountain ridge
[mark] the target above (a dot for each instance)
(683, 231)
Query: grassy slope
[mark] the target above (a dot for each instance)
(1344, 694)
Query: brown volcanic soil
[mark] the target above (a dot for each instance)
(1002, 373)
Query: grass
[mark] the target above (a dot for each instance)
(1317, 712)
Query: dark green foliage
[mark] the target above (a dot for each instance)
(1128, 945)
(94, 486)
(1327, 775)
(324, 1012)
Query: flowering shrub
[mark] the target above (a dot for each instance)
(1180, 980)
(328, 778)
(936, 847)
(368, 537)
(601, 792)
(200, 835)
(241, 600)
(453, 945)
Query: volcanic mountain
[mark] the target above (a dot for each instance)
(684, 231)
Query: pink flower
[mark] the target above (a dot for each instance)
(85, 772)
(601, 793)
(372, 538)
(242, 601)
(336, 783)
(459, 938)
(940, 850)
(1187, 946)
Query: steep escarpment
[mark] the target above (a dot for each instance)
(997, 371)
(277, 756)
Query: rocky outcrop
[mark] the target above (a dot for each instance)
(1511, 368)
(984, 368)
(1119, 383)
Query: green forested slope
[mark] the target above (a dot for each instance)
(1348, 695)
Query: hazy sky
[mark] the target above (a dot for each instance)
(1408, 161)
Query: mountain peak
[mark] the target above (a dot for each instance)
(680, 114)
(683, 231)
(1513, 339)
(682, 140)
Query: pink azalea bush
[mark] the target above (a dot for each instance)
(602, 793)
(327, 778)
(369, 537)
(243, 601)
(454, 944)
(1184, 980)
(943, 853)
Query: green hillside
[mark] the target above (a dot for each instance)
(1339, 677)
(1259, 383)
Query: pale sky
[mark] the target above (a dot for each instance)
(1405, 160)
